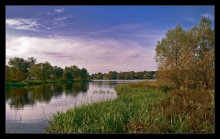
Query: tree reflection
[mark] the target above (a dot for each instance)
(76, 88)
(19, 97)
(107, 84)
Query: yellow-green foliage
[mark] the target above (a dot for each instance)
(141, 109)
(142, 86)
(186, 58)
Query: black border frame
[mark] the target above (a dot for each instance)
(5, 3)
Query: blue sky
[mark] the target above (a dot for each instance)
(99, 38)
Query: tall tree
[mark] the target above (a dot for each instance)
(99, 75)
(186, 58)
(75, 71)
(83, 73)
(19, 64)
(58, 72)
(47, 70)
(36, 71)
(169, 53)
(112, 75)
(68, 74)
(202, 60)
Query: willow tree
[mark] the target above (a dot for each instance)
(186, 58)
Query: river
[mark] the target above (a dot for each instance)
(29, 108)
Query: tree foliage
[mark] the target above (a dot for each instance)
(19, 69)
(186, 58)
(58, 72)
(111, 75)
(83, 73)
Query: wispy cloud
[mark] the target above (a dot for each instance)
(62, 18)
(57, 19)
(94, 54)
(22, 23)
(207, 15)
(55, 11)
(59, 10)
(121, 27)
(36, 24)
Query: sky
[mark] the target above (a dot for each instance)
(98, 38)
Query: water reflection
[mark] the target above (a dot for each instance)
(29, 108)
(102, 91)
(75, 88)
(19, 97)
(102, 84)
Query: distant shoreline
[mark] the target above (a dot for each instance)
(10, 84)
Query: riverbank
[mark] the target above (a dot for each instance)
(38, 82)
(141, 108)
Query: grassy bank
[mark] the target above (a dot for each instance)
(141, 108)
(38, 82)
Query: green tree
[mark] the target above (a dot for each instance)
(8, 73)
(99, 76)
(112, 75)
(17, 63)
(31, 61)
(20, 64)
(58, 72)
(21, 67)
(83, 73)
(105, 76)
(68, 74)
(36, 71)
(169, 53)
(46, 70)
(75, 71)
(120, 75)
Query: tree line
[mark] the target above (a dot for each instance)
(19, 69)
(111, 75)
(186, 58)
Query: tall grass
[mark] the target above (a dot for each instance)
(179, 112)
(143, 86)
(141, 108)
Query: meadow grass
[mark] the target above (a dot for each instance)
(141, 108)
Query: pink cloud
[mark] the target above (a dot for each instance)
(97, 55)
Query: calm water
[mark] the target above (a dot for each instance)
(28, 109)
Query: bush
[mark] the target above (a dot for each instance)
(165, 88)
